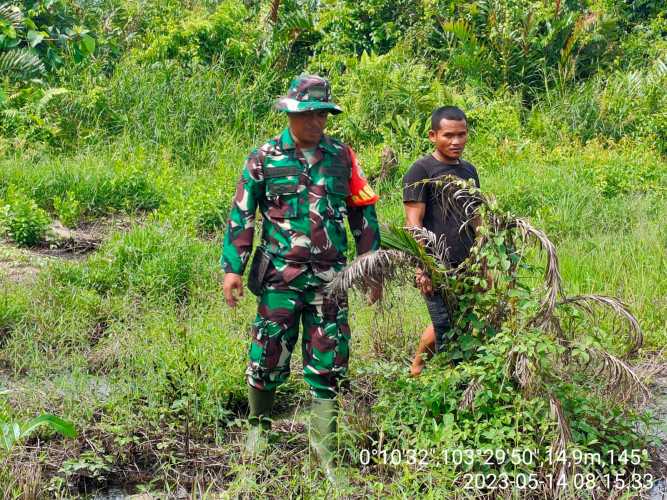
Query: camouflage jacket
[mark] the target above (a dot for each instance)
(303, 208)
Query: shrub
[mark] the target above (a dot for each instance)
(358, 26)
(21, 219)
(14, 307)
(185, 110)
(521, 44)
(207, 210)
(67, 209)
(608, 106)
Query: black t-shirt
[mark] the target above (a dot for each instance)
(459, 243)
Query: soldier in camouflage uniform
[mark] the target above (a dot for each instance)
(305, 184)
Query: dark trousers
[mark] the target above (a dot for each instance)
(439, 312)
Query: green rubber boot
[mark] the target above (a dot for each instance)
(261, 403)
(323, 425)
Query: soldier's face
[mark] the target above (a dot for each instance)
(307, 127)
(450, 138)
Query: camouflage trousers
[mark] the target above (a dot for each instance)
(325, 339)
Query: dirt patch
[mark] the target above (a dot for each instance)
(94, 462)
(22, 265)
(76, 243)
(19, 265)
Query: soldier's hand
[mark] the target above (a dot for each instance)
(231, 286)
(424, 282)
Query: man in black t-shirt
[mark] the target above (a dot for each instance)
(449, 134)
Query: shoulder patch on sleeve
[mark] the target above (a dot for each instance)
(361, 193)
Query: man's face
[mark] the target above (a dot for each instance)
(307, 127)
(450, 138)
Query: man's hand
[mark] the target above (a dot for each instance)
(231, 283)
(374, 295)
(424, 282)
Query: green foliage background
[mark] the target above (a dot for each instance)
(146, 110)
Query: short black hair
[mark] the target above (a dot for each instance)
(447, 113)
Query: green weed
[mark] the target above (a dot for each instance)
(21, 219)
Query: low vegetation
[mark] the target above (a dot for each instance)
(143, 112)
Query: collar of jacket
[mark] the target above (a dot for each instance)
(287, 142)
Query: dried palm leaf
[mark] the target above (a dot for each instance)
(634, 331)
(559, 446)
(652, 367)
(468, 397)
(522, 369)
(621, 380)
(434, 245)
(552, 278)
(457, 197)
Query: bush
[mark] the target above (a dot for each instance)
(205, 210)
(358, 26)
(185, 110)
(14, 306)
(521, 44)
(222, 37)
(21, 219)
(386, 98)
(609, 106)
(427, 413)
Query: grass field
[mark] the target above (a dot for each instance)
(135, 345)
(120, 326)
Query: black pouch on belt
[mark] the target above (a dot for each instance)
(260, 263)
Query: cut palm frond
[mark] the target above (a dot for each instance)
(437, 247)
(552, 278)
(587, 304)
(422, 245)
(564, 468)
(620, 379)
(372, 269)
(468, 397)
(520, 367)
(652, 367)
(563, 324)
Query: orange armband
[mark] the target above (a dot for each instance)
(361, 193)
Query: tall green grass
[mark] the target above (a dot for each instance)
(136, 340)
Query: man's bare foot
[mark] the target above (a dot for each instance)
(416, 370)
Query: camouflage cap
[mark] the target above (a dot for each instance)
(308, 93)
